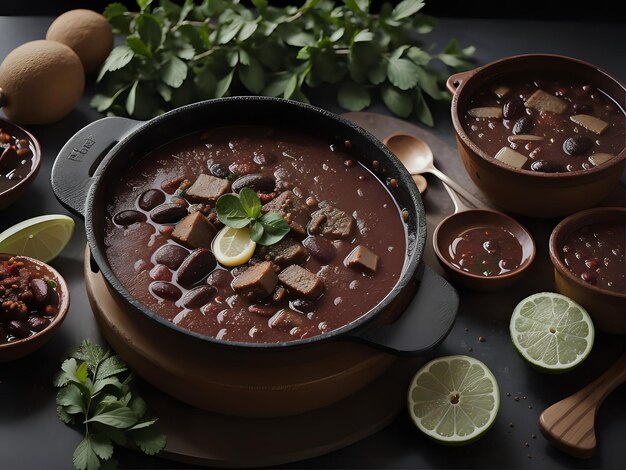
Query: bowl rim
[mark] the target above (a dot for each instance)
(559, 265)
(407, 274)
(36, 156)
(477, 72)
(511, 274)
(63, 307)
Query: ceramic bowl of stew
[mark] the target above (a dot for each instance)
(587, 251)
(347, 281)
(20, 160)
(34, 301)
(483, 250)
(541, 135)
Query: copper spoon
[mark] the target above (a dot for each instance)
(417, 157)
(569, 424)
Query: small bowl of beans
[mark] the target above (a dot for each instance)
(20, 160)
(34, 300)
(587, 251)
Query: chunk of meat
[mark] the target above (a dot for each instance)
(542, 101)
(292, 209)
(256, 282)
(301, 282)
(279, 294)
(363, 259)
(287, 319)
(194, 231)
(332, 223)
(207, 189)
(287, 252)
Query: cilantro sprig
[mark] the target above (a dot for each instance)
(245, 209)
(178, 54)
(96, 392)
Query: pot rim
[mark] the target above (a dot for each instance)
(36, 157)
(407, 274)
(485, 69)
(569, 223)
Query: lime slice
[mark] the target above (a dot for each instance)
(233, 246)
(42, 238)
(454, 399)
(551, 331)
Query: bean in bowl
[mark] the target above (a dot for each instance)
(545, 123)
(16, 159)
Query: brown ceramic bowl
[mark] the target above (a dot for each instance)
(22, 347)
(527, 192)
(455, 224)
(10, 195)
(607, 308)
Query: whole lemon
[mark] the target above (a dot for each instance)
(88, 33)
(40, 82)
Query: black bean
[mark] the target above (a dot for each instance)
(171, 255)
(38, 323)
(219, 171)
(19, 329)
(165, 290)
(150, 199)
(198, 296)
(256, 181)
(523, 125)
(129, 217)
(320, 248)
(513, 108)
(196, 267)
(547, 167)
(40, 290)
(304, 305)
(266, 311)
(264, 158)
(220, 279)
(577, 145)
(581, 108)
(168, 213)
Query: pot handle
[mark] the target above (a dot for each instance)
(454, 81)
(424, 324)
(79, 158)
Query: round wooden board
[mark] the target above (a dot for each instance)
(201, 437)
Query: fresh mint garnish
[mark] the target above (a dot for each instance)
(245, 209)
(97, 394)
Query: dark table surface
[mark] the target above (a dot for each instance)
(31, 437)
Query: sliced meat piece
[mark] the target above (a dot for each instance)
(256, 282)
(207, 189)
(194, 231)
(292, 209)
(287, 319)
(287, 252)
(363, 259)
(332, 223)
(301, 282)
(279, 294)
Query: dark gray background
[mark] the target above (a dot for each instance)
(31, 437)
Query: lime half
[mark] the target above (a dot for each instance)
(233, 246)
(454, 399)
(42, 238)
(551, 331)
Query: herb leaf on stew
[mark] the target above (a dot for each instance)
(245, 209)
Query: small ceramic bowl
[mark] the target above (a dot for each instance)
(606, 308)
(452, 226)
(527, 192)
(22, 347)
(9, 195)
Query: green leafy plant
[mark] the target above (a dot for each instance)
(245, 209)
(96, 392)
(174, 55)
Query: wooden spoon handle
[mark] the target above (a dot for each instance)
(569, 424)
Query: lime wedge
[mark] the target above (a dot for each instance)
(42, 238)
(454, 399)
(551, 331)
(233, 246)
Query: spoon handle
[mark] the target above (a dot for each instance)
(569, 424)
(456, 200)
(459, 189)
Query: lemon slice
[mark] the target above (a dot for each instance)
(233, 246)
(454, 399)
(551, 331)
(42, 238)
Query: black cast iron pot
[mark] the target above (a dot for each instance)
(289, 377)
